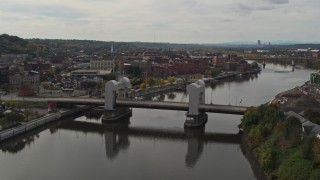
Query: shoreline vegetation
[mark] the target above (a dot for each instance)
(278, 145)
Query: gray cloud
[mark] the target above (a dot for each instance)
(278, 1)
(173, 21)
(246, 8)
(52, 11)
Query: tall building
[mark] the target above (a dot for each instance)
(259, 42)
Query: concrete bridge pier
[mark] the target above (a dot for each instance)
(196, 92)
(116, 90)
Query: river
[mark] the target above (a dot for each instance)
(152, 144)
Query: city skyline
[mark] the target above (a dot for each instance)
(179, 21)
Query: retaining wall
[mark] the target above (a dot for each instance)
(9, 133)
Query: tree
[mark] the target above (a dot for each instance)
(254, 65)
(215, 72)
(91, 85)
(45, 85)
(110, 77)
(161, 97)
(50, 72)
(171, 80)
(14, 118)
(58, 70)
(197, 76)
(171, 96)
(162, 82)
(5, 87)
(312, 115)
(135, 70)
(143, 85)
(316, 151)
(208, 73)
(151, 82)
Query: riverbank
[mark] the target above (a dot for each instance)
(246, 149)
(229, 75)
(180, 86)
(278, 145)
(33, 124)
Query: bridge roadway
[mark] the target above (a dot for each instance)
(181, 106)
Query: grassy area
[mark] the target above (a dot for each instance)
(279, 144)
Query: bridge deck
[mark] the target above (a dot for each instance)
(181, 106)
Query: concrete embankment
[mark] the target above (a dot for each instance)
(10, 133)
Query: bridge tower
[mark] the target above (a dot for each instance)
(196, 92)
(116, 90)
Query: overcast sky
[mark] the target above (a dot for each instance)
(176, 21)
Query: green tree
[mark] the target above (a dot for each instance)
(171, 96)
(151, 82)
(312, 115)
(5, 87)
(110, 77)
(316, 151)
(143, 85)
(215, 72)
(134, 70)
(161, 97)
(254, 65)
(58, 70)
(91, 85)
(162, 82)
(14, 118)
(267, 155)
(208, 72)
(50, 72)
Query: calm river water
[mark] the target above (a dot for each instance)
(152, 144)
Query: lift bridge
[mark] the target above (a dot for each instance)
(117, 105)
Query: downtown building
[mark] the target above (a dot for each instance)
(105, 65)
(30, 79)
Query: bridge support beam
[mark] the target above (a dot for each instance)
(196, 121)
(115, 115)
(116, 90)
(196, 92)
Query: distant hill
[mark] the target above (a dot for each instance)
(12, 44)
(264, 44)
(16, 45)
(103, 47)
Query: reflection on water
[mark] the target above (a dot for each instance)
(117, 136)
(18, 145)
